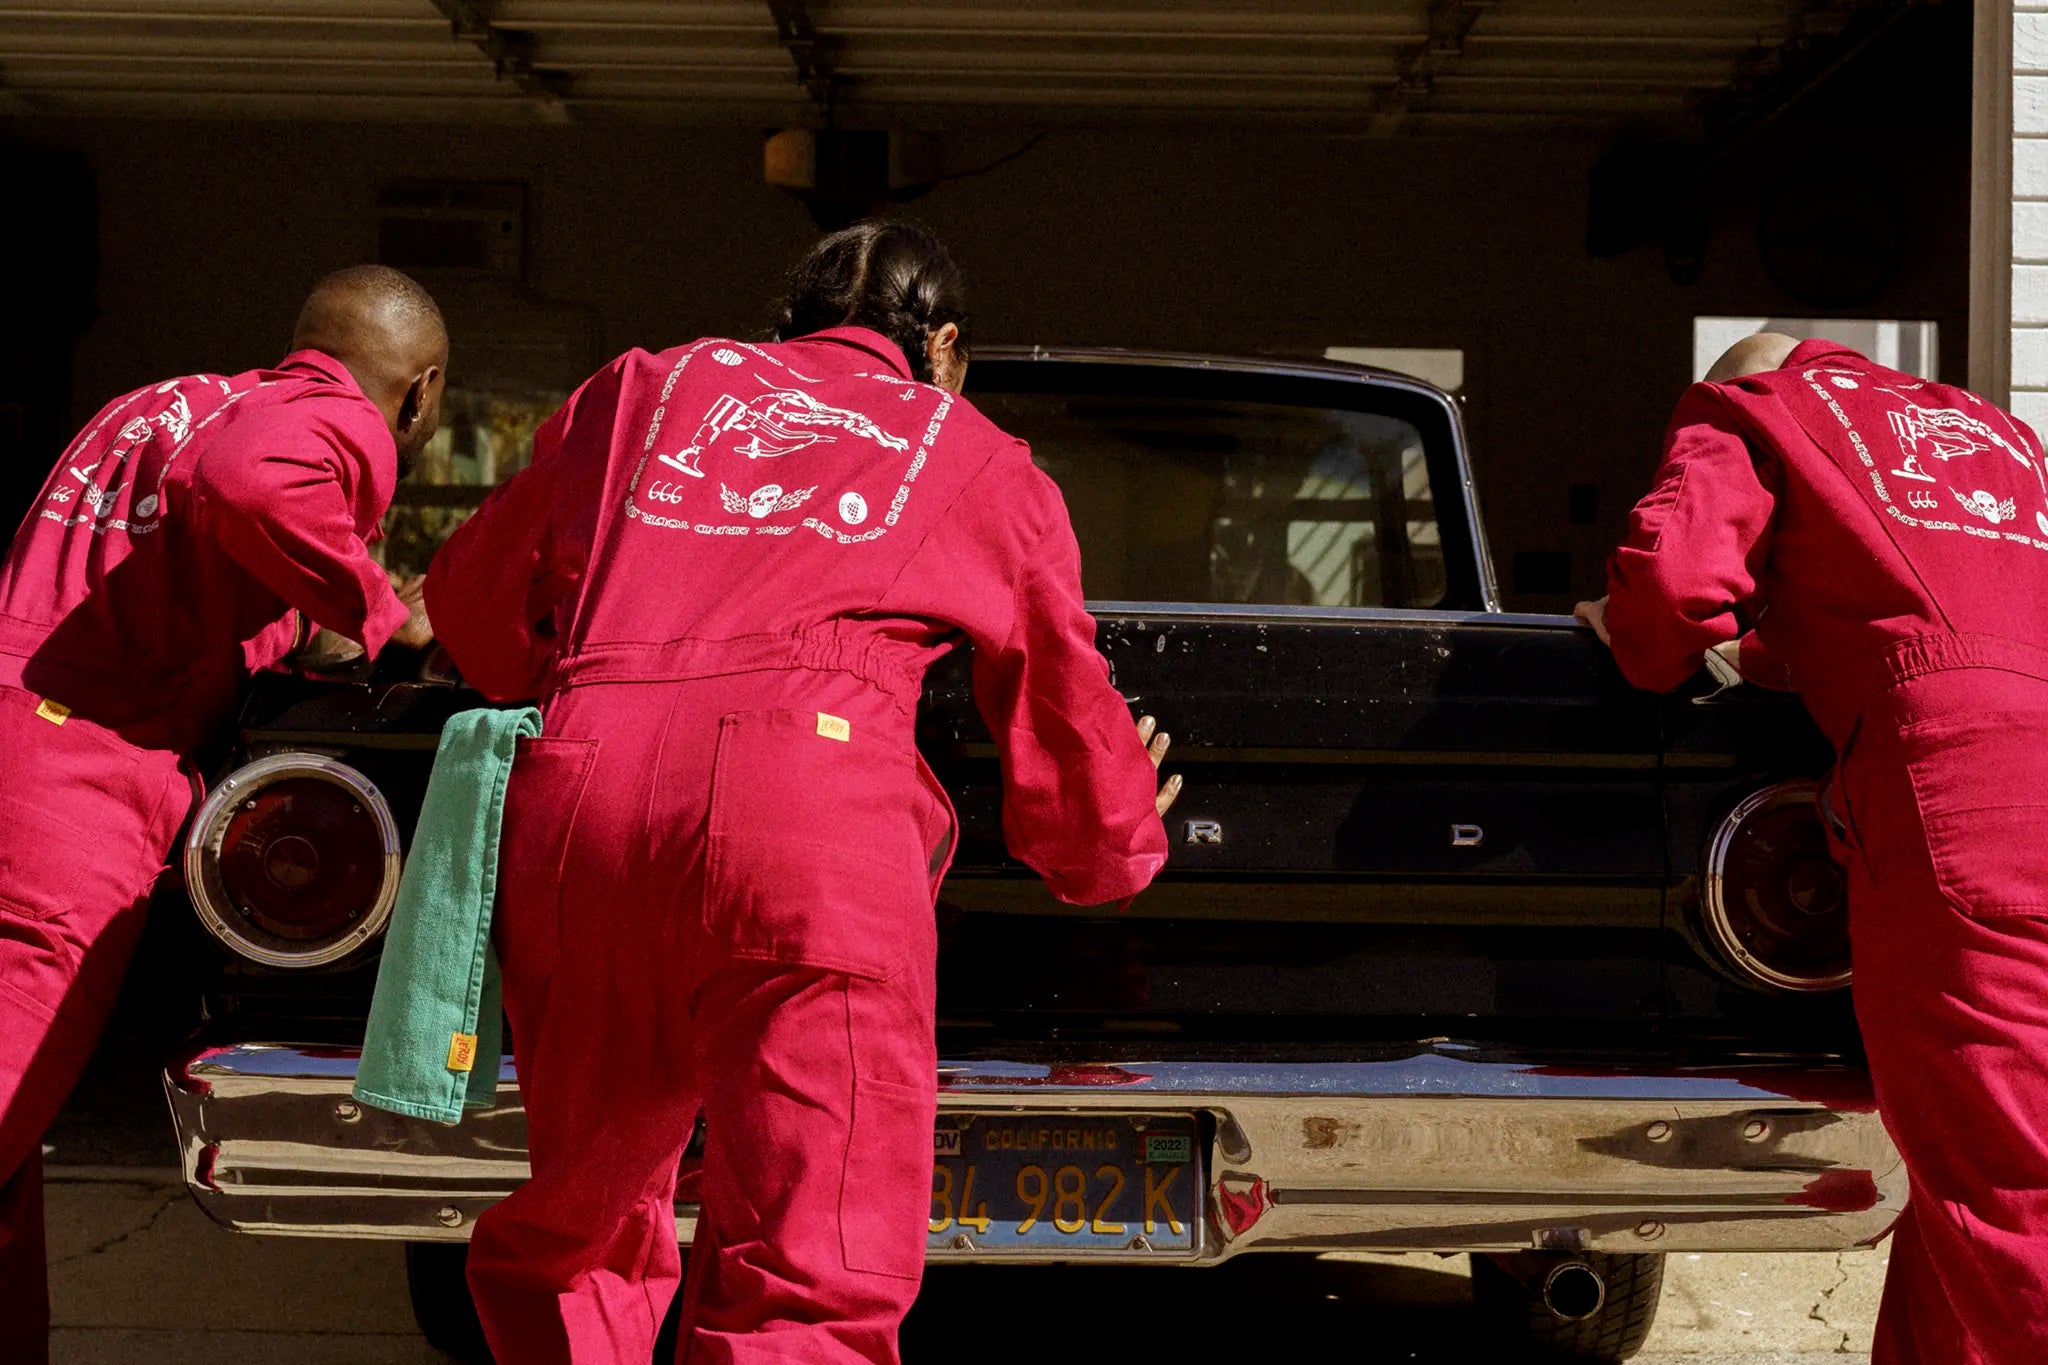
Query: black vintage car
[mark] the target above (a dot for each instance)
(1464, 945)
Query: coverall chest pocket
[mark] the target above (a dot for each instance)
(815, 855)
(1980, 783)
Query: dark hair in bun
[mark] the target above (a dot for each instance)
(890, 277)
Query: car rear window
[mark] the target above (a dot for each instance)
(1186, 499)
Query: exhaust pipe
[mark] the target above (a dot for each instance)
(1574, 1291)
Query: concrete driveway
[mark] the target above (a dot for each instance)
(140, 1275)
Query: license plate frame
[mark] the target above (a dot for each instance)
(1127, 1167)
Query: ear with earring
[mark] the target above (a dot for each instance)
(942, 349)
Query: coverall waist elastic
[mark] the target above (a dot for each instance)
(1847, 693)
(150, 708)
(822, 650)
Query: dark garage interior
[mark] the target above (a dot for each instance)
(1553, 190)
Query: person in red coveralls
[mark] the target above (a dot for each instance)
(1879, 543)
(197, 529)
(724, 575)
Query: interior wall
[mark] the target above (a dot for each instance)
(1279, 242)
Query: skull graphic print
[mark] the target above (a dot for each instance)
(1931, 467)
(764, 501)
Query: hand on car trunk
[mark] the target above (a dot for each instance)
(418, 631)
(1594, 614)
(1156, 745)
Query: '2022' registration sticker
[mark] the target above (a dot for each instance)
(1070, 1185)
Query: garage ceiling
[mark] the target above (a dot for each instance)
(1413, 66)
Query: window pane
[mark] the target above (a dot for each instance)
(1914, 347)
(486, 437)
(1179, 500)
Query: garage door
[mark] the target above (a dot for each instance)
(1427, 66)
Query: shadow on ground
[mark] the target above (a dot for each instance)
(1419, 1312)
(138, 1273)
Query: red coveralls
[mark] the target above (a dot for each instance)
(159, 565)
(1890, 538)
(725, 574)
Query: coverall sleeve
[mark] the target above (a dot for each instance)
(1695, 546)
(1760, 664)
(1079, 790)
(278, 503)
(493, 587)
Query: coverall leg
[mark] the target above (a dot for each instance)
(581, 1262)
(743, 922)
(24, 1279)
(821, 1089)
(85, 822)
(1948, 792)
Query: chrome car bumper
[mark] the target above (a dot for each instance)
(1441, 1149)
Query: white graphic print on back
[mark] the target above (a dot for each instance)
(1945, 434)
(1930, 441)
(138, 448)
(779, 421)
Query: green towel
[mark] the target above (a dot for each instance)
(434, 1034)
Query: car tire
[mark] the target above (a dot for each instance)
(1507, 1290)
(437, 1282)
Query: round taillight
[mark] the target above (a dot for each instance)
(293, 861)
(1775, 907)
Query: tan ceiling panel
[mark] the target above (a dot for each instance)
(636, 16)
(120, 13)
(1377, 65)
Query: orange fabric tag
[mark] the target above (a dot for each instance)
(832, 727)
(461, 1051)
(52, 711)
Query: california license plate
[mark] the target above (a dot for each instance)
(1066, 1185)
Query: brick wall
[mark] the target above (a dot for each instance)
(2026, 167)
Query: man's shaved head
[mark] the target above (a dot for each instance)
(1752, 355)
(388, 331)
(372, 312)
